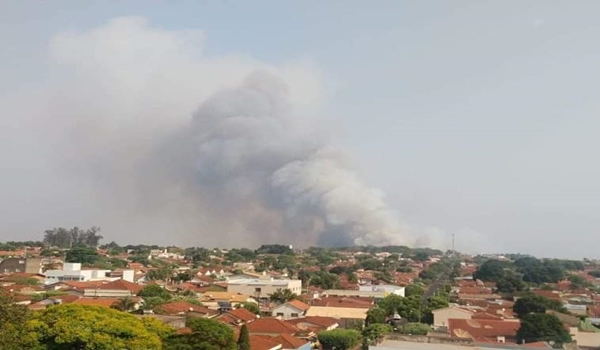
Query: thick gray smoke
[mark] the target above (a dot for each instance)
(117, 148)
(256, 163)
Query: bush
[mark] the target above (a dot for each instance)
(415, 328)
(339, 339)
(374, 333)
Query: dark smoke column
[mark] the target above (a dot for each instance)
(262, 168)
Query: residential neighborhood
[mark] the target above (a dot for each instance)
(315, 298)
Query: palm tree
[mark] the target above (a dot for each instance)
(125, 304)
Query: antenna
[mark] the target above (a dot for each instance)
(453, 250)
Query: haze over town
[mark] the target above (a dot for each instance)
(361, 123)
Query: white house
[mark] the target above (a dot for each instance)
(73, 272)
(385, 288)
(262, 287)
(290, 310)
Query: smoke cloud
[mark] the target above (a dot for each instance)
(252, 165)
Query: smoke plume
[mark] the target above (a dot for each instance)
(156, 141)
(254, 162)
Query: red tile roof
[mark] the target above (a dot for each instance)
(289, 341)
(121, 285)
(180, 307)
(242, 314)
(271, 326)
(262, 343)
(319, 321)
(105, 302)
(83, 285)
(482, 330)
(299, 305)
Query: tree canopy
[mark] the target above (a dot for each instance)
(82, 254)
(13, 333)
(339, 339)
(206, 334)
(542, 327)
(282, 295)
(154, 290)
(66, 238)
(532, 303)
(75, 326)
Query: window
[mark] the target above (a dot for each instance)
(294, 314)
(257, 290)
(280, 314)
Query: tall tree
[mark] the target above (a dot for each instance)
(542, 327)
(82, 254)
(14, 331)
(73, 326)
(244, 339)
(533, 303)
(282, 295)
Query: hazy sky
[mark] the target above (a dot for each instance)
(478, 118)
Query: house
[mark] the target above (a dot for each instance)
(261, 288)
(258, 342)
(289, 342)
(441, 316)
(25, 265)
(236, 317)
(271, 327)
(212, 299)
(385, 288)
(115, 289)
(361, 303)
(73, 272)
(20, 277)
(484, 331)
(370, 293)
(344, 315)
(291, 309)
(185, 308)
(315, 324)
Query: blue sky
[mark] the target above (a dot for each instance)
(478, 118)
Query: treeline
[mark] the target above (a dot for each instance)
(514, 276)
(67, 238)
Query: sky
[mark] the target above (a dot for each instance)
(474, 118)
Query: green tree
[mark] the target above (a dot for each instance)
(542, 327)
(491, 270)
(150, 303)
(154, 290)
(373, 334)
(391, 304)
(213, 332)
(339, 339)
(578, 282)
(413, 289)
(415, 328)
(125, 304)
(73, 326)
(252, 307)
(82, 254)
(532, 303)
(510, 282)
(376, 315)
(282, 295)
(14, 331)
(244, 339)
